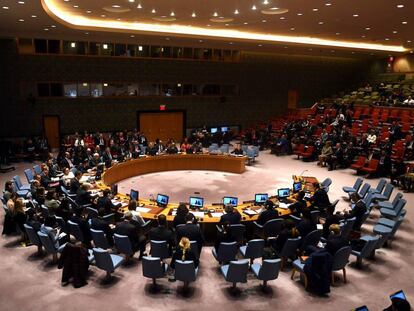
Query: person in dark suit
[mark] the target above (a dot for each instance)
(306, 225)
(320, 199)
(75, 182)
(83, 225)
(288, 232)
(162, 233)
(105, 202)
(98, 223)
(330, 219)
(83, 197)
(335, 241)
(268, 214)
(358, 211)
(300, 204)
(232, 217)
(191, 231)
(179, 218)
(137, 240)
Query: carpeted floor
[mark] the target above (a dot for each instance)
(28, 282)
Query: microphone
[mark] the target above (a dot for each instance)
(301, 174)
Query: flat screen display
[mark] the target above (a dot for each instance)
(261, 198)
(232, 201)
(400, 294)
(196, 202)
(162, 200)
(114, 189)
(283, 193)
(134, 194)
(297, 186)
(213, 130)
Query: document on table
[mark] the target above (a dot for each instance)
(143, 209)
(217, 214)
(250, 212)
(284, 205)
(198, 214)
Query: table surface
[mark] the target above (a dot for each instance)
(149, 209)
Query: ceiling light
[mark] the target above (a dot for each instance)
(265, 2)
(46, 29)
(259, 45)
(53, 26)
(153, 11)
(283, 17)
(395, 31)
(167, 39)
(172, 14)
(254, 8)
(139, 6)
(89, 12)
(263, 21)
(85, 84)
(105, 84)
(103, 15)
(400, 6)
(132, 1)
(20, 2)
(215, 14)
(34, 16)
(193, 15)
(315, 10)
(76, 6)
(328, 4)
(140, 48)
(363, 36)
(355, 15)
(404, 23)
(21, 20)
(132, 36)
(367, 28)
(73, 44)
(236, 12)
(226, 25)
(86, 33)
(245, 23)
(408, 41)
(5, 7)
(292, 29)
(105, 46)
(116, 6)
(321, 23)
(387, 39)
(300, 14)
(338, 33)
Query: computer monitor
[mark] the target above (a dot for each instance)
(283, 192)
(114, 189)
(400, 294)
(225, 129)
(297, 186)
(213, 130)
(362, 308)
(196, 202)
(231, 201)
(261, 198)
(162, 200)
(134, 195)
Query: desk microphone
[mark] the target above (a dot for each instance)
(301, 174)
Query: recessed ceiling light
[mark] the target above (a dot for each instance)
(236, 11)
(328, 4)
(172, 13)
(76, 6)
(259, 45)
(292, 29)
(66, 0)
(208, 25)
(5, 7)
(254, 8)
(21, 20)
(132, 36)
(139, 6)
(285, 47)
(20, 2)
(400, 6)
(333, 51)
(411, 52)
(315, 10)
(363, 36)
(153, 11)
(167, 39)
(89, 12)
(193, 15)
(265, 2)
(355, 15)
(408, 41)
(321, 23)
(367, 28)
(116, 6)
(140, 48)
(34, 16)
(103, 15)
(201, 41)
(132, 1)
(300, 14)
(338, 33)
(387, 39)
(395, 31)
(105, 46)
(86, 33)
(263, 21)
(226, 25)
(404, 23)
(230, 42)
(215, 14)
(73, 44)
(283, 17)
(53, 26)
(46, 29)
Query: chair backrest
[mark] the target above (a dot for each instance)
(159, 249)
(185, 271)
(61, 222)
(315, 216)
(334, 203)
(92, 213)
(326, 183)
(358, 184)
(397, 197)
(250, 153)
(227, 251)
(237, 272)
(365, 188)
(256, 151)
(64, 190)
(269, 270)
(244, 148)
(103, 259)
(273, 227)
(99, 239)
(194, 249)
(400, 205)
(369, 246)
(360, 161)
(368, 199)
(389, 188)
(381, 185)
(123, 244)
(75, 230)
(290, 248)
(152, 267)
(45, 211)
(29, 175)
(341, 258)
(311, 239)
(373, 164)
(347, 227)
(109, 218)
(47, 243)
(237, 231)
(37, 169)
(255, 248)
(17, 182)
(224, 148)
(33, 237)
(397, 225)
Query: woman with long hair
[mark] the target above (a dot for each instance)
(183, 253)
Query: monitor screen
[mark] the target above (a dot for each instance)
(400, 294)
(162, 200)
(213, 130)
(261, 198)
(134, 194)
(230, 201)
(196, 202)
(297, 186)
(224, 129)
(114, 189)
(363, 308)
(283, 193)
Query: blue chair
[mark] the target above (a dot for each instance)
(389, 188)
(250, 156)
(380, 187)
(355, 187)
(227, 252)
(19, 184)
(391, 205)
(256, 151)
(50, 246)
(106, 261)
(213, 149)
(33, 237)
(289, 250)
(299, 266)
(75, 230)
(109, 218)
(92, 213)
(20, 193)
(267, 271)
(37, 169)
(393, 213)
(312, 239)
(235, 272)
(123, 246)
(67, 193)
(387, 227)
(346, 227)
(326, 183)
(99, 239)
(364, 190)
(153, 268)
(185, 271)
(237, 232)
(368, 249)
(270, 229)
(45, 211)
(244, 148)
(61, 223)
(160, 249)
(224, 148)
(340, 260)
(253, 249)
(29, 175)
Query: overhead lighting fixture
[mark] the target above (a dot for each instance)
(46, 29)
(140, 48)
(73, 44)
(236, 12)
(355, 15)
(53, 26)
(21, 20)
(321, 23)
(328, 4)
(20, 2)
(105, 46)
(153, 11)
(193, 15)
(80, 21)
(105, 84)
(264, 21)
(395, 31)
(400, 6)
(283, 17)
(254, 8)
(315, 10)
(34, 16)
(292, 29)
(300, 14)
(5, 8)
(245, 23)
(172, 13)
(76, 6)
(367, 28)
(132, 36)
(116, 6)
(89, 12)
(139, 6)
(338, 33)
(266, 2)
(85, 84)
(404, 23)
(215, 14)
(132, 1)
(103, 15)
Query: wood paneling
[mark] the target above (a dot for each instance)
(51, 129)
(162, 125)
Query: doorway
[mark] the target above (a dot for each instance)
(162, 125)
(51, 130)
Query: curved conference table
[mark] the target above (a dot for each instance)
(211, 213)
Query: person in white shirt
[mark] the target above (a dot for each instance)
(67, 177)
(409, 101)
(372, 138)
